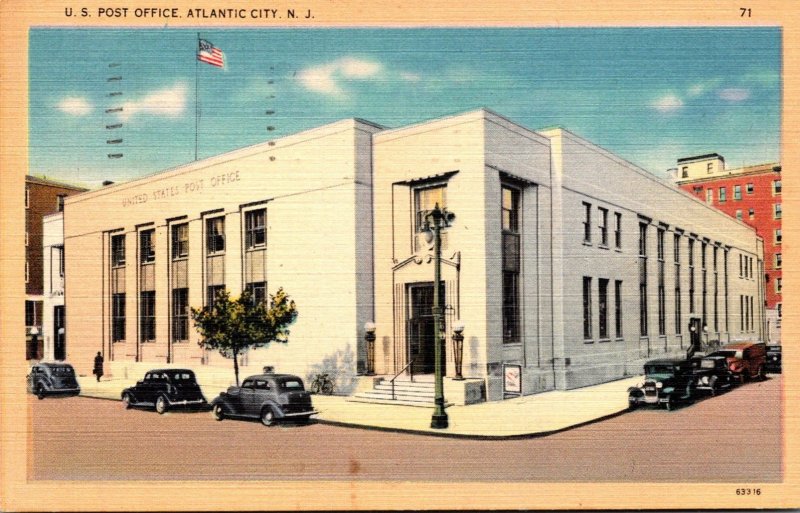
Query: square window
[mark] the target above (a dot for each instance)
(739, 214)
(752, 213)
(255, 228)
(750, 188)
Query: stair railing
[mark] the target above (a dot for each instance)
(410, 368)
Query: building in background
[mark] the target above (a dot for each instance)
(751, 194)
(42, 197)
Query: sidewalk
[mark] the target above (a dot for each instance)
(533, 415)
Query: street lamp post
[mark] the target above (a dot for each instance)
(437, 219)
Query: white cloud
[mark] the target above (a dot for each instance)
(668, 103)
(75, 106)
(326, 78)
(734, 94)
(168, 103)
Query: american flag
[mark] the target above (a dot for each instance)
(210, 54)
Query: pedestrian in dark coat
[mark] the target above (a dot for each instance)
(98, 366)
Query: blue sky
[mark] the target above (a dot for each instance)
(649, 95)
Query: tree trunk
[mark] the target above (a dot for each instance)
(236, 363)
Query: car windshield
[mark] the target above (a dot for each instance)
(707, 364)
(658, 369)
(292, 384)
(62, 371)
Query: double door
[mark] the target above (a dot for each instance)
(420, 328)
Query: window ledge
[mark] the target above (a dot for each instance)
(604, 340)
(588, 341)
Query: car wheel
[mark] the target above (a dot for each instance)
(161, 405)
(267, 416)
(40, 391)
(713, 386)
(218, 411)
(127, 400)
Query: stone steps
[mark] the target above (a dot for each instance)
(408, 393)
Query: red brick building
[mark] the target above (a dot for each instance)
(42, 197)
(751, 194)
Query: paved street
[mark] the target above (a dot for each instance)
(734, 437)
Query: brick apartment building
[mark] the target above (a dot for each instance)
(42, 197)
(751, 194)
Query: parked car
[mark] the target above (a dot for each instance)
(773, 359)
(52, 379)
(270, 397)
(666, 382)
(712, 374)
(165, 389)
(746, 360)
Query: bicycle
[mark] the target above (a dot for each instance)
(322, 383)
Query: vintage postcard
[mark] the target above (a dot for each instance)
(342, 256)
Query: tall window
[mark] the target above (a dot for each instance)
(778, 211)
(725, 285)
(691, 275)
(716, 290)
(117, 250)
(215, 235)
(147, 246)
(587, 223)
(59, 259)
(704, 281)
(603, 226)
(147, 316)
(778, 260)
(255, 228)
(778, 285)
(676, 253)
(602, 288)
(662, 305)
(31, 314)
(27, 197)
(643, 279)
(180, 315)
(618, 230)
(425, 199)
(737, 192)
(510, 207)
(739, 214)
(750, 188)
(618, 309)
(180, 241)
(709, 195)
(778, 236)
(587, 308)
(60, 202)
(685, 172)
(776, 187)
(118, 317)
(723, 195)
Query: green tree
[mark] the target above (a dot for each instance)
(234, 326)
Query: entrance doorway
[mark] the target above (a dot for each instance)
(59, 342)
(420, 327)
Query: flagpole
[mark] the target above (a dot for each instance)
(196, 94)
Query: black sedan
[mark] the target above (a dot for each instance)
(165, 389)
(269, 397)
(773, 364)
(53, 379)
